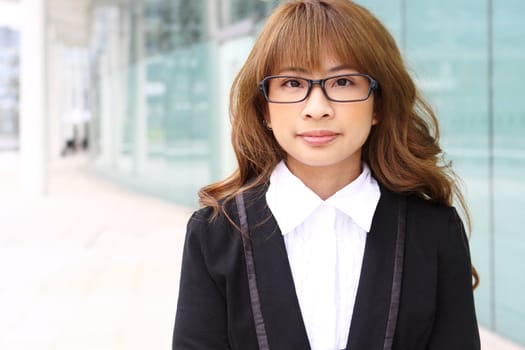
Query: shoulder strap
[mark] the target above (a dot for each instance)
(258, 319)
(398, 275)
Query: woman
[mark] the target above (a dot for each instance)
(336, 231)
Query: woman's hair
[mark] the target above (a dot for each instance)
(402, 150)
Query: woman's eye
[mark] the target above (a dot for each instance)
(293, 83)
(343, 82)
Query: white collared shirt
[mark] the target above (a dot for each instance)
(325, 242)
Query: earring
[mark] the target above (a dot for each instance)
(265, 123)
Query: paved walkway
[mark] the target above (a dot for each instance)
(92, 266)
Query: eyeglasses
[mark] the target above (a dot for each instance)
(339, 88)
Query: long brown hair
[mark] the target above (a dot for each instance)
(402, 150)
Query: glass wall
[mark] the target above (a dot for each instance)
(507, 126)
(162, 71)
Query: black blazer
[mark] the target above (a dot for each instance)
(436, 309)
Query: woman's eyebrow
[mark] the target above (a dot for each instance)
(307, 71)
(341, 67)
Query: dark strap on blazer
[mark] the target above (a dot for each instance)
(398, 275)
(258, 319)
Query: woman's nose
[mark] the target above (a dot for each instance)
(317, 104)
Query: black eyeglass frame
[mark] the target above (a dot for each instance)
(373, 86)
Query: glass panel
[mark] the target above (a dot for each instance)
(509, 167)
(447, 48)
(9, 71)
(169, 124)
(190, 117)
(390, 13)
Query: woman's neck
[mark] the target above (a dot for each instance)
(325, 181)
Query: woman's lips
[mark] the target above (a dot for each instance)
(318, 138)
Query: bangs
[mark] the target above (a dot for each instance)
(311, 29)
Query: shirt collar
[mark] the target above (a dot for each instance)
(291, 202)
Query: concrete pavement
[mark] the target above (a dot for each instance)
(92, 265)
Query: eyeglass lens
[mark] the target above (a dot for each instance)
(339, 88)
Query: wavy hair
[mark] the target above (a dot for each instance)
(402, 150)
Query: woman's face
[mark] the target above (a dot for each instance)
(319, 133)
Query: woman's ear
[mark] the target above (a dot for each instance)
(375, 120)
(266, 122)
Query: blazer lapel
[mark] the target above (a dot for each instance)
(280, 307)
(368, 327)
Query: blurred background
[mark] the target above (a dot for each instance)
(113, 113)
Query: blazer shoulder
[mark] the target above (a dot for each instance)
(212, 228)
(436, 224)
(206, 223)
(428, 209)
